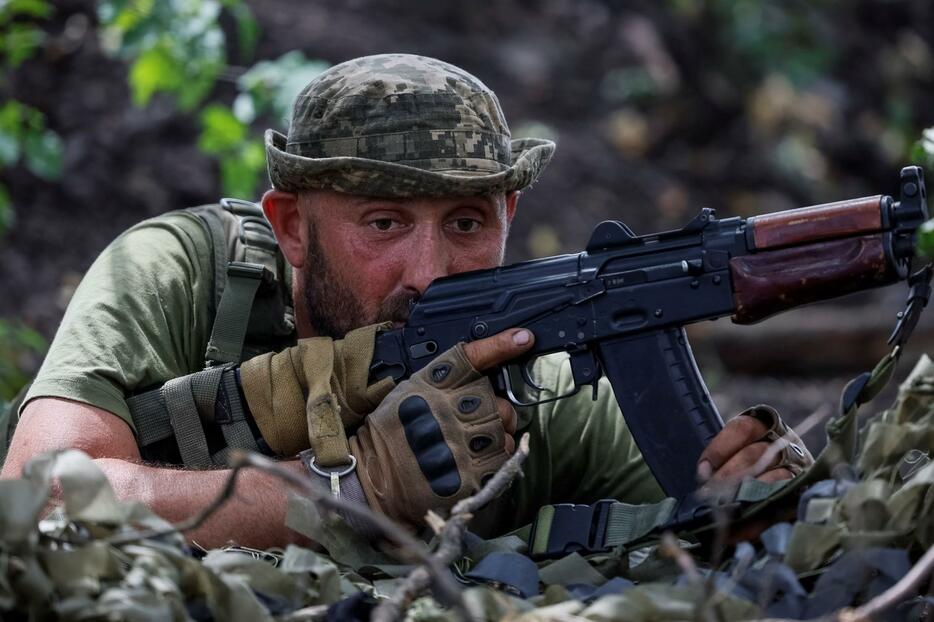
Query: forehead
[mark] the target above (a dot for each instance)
(329, 201)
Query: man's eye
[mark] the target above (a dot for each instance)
(466, 225)
(384, 224)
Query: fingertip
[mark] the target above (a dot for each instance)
(704, 471)
(522, 337)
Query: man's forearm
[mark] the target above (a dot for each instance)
(253, 516)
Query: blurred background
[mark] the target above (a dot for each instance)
(117, 110)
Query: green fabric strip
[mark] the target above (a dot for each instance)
(183, 413)
(233, 315)
(630, 522)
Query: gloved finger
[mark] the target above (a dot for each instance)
(491, 351)
(508, 415)
(744, 463)
(738, 433)
(775, 475)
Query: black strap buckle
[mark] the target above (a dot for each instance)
(919, 294)
(574, 528)
(242, 269)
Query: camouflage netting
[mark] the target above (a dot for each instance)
(855, 535)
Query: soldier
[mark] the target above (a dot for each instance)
(397, 170)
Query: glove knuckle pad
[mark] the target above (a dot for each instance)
(451, 369)
(423, 433)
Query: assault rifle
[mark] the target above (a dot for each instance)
(619, 308)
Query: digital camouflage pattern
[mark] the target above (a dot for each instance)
(856, 534)
(399, 125)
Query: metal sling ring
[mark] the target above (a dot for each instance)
(347, 471)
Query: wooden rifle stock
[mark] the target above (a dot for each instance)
(766, 283)
(817, 222)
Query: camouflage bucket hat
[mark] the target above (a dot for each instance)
(398, 125)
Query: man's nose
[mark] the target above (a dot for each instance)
(427, 261)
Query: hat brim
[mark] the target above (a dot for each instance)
(376, 178)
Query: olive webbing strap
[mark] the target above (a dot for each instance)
(627, 523)
(563, 528)
(178, 408)
(254, 262)
(233, 311)
(233, 423)
(186, 423)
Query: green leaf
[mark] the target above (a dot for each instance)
(19, 42)
(273, 85)
(925, 242)
(198, 84)
(153, 71)
(242, 170)
(39, 9)
(247, 28)
(923, 151)
(9, 148)
(18, 344)
(11, 118)
(220, 130)
(7, 215)
(43, 151)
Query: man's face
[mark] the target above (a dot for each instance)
(367, 259)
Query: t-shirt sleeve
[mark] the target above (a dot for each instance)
(591, 450)
(139, 317)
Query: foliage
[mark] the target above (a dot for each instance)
(20, 36)
(178, 48)
(17, 343)
(862, 520)
(24, 136)
(269, 87)
(922, 154)
(775, 36)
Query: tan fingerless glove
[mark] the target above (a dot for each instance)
(794, 454)
(283, 389)
(432, 441)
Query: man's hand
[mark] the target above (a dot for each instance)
(743, 448)
(437, 436)
(277, 385)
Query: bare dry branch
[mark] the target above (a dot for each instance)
(670, 547)
(905, 588)
(451, 536)
(447, 590)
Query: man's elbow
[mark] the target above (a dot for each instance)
(49, 424)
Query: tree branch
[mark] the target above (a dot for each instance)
(410, 548)
(451, 535)
(906, 587)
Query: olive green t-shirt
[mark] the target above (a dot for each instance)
(142, 315)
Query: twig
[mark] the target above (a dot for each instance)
(451, 535)
(447, 590)
(186, 525)
(307, 614)
(906, 586)
(670, 547)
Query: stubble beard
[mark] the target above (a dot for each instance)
(333, 308)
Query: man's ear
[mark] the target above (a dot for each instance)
(512, 202)
(284, 215)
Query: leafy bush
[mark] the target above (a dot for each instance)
(24, 137)
(177, 47)
(19, 347)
